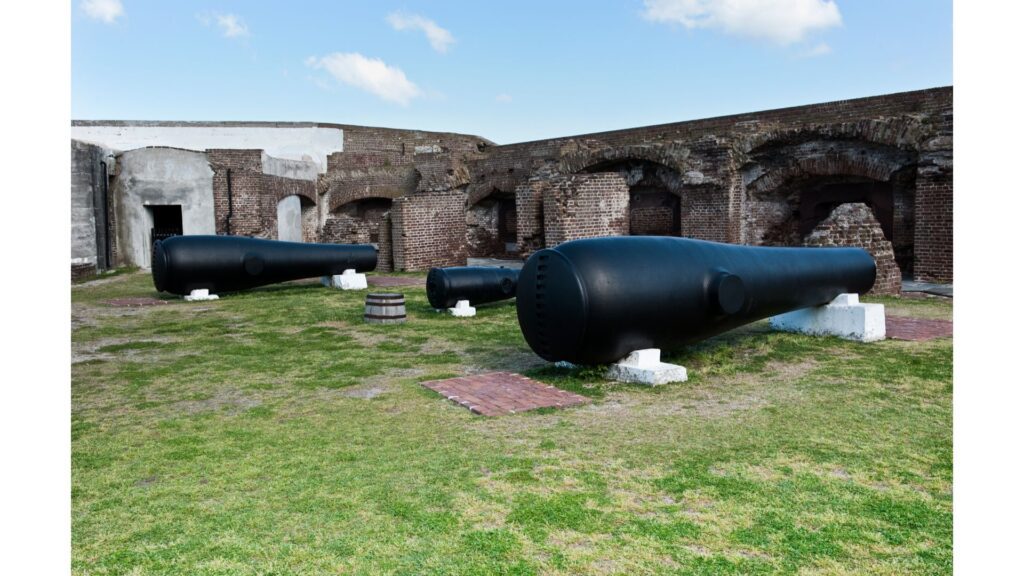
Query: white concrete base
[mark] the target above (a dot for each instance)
(200, 295)
(462, 309)
(347, 280)
(844, 317)
(646, 367)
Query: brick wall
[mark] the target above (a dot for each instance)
(855, 225)
(586, 206)
(246, 177)
(429, 230)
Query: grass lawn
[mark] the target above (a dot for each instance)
(273, 432)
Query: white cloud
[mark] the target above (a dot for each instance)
(779, 21)
(232, 25)
(105, 10)
(369, 74)
(503, 98)
(439, 38)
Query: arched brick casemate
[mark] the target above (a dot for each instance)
(766, 177)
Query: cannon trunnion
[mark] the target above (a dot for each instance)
(594, 301)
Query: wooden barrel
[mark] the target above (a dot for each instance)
(385, 308)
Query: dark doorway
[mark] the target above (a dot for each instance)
(166, 221)
(653, 211)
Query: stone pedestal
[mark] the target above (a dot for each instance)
(844, 317)
(200, 295)
(646, 367)
(462, 309)
(347, 280)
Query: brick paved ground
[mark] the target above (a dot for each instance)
(916, 329)
(394, 281)
(135, 302)
(499, 393)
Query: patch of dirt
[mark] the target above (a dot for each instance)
(86, 351)
(365, 392)
(229, 401)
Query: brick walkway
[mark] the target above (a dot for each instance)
(499, 393)
(916, 329)
(394, 281)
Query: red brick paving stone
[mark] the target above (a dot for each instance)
(499, 393)
(916, 329)
(135, 302)
(394, 281)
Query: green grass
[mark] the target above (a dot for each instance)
(273, 432)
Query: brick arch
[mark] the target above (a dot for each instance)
(478, 194)
(904, 133)
(342, 197)
(840, 157)
(282, 188)
(671, 156)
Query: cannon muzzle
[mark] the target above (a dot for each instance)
(594, 301)
(478, 284)
(230, 263)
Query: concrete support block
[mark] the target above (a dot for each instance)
(462, 309)
(646, 367)
(347, 280)
(844, 317)
(200, 295)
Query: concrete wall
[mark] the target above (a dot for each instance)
(292, 141)
(289, 219)
(160, 176)
(85, 182)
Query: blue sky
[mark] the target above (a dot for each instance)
(510, 71)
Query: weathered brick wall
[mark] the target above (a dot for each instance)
(246, 176)
(586, 206)
(855, 225)
(429, 230)
(530, 216)
(385, 257)
(933, 228)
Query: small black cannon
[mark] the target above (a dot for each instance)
(230, 263)
(594, 301)
(478, 284)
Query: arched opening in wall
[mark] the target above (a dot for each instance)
(655, 204)
(790, 212)
(491, 225)
(358, 222)
(296, 219)
(792, 186)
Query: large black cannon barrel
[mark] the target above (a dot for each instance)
(594, 301)
(229, 263)
(478, 284)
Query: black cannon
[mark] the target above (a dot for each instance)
(594, 301)
(478, 284)
(229, 263)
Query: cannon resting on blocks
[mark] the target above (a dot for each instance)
(595, 301)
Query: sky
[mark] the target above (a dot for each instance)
(506, 71)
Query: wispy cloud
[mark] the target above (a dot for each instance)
(439, 38)
(783, 22)
(230, 25)
(819, 49)
(105, 10)
(369, 74)
(503, 98)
